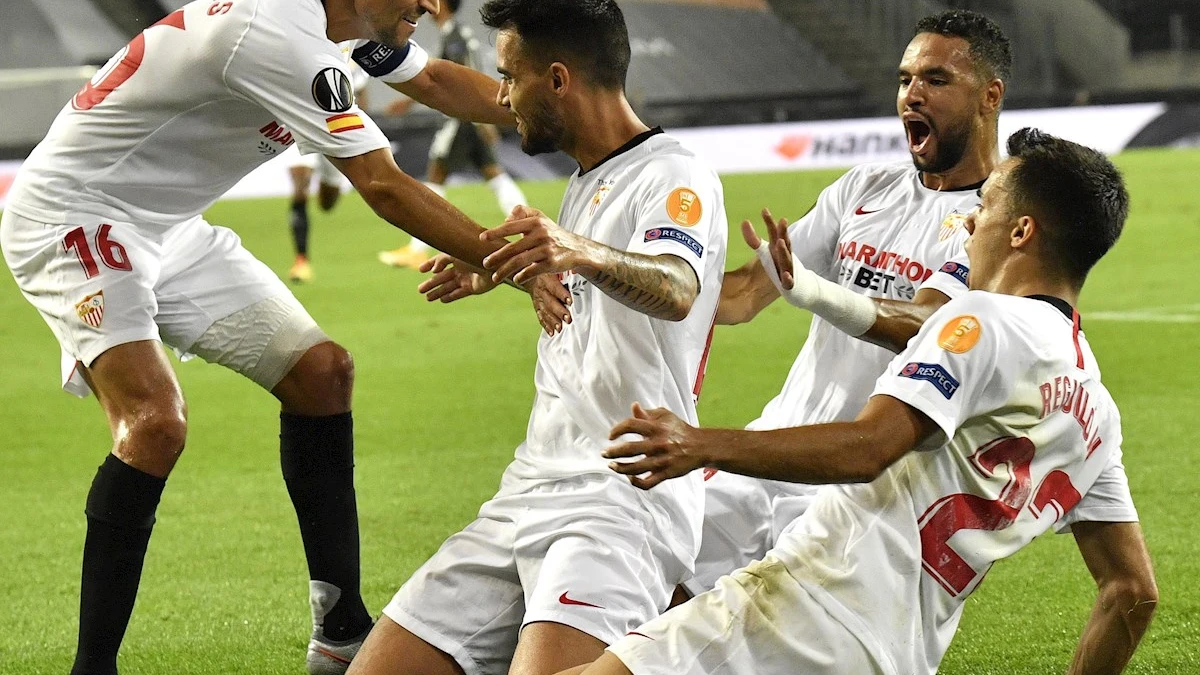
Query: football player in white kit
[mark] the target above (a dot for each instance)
(568, 557)
(878, 253)
(990, 428)
(104, 234)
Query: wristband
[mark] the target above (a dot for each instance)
(849, 312)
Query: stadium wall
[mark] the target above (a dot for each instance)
(824, 144)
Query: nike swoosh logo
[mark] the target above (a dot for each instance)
(571, 601)
(860, 212)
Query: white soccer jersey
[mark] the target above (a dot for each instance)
(193, 104)
(651, 196)
(879, 232)
(1013, 385)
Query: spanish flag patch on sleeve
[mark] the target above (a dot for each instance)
(344, 122)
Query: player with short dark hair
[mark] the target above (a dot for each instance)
(876, 255)
(1074, 191)
(567, 557)
(105, 234)
(990, 50)
(988, 429)
(587, 35)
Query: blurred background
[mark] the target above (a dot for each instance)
(704, 62)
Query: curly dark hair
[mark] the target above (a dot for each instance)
(990, 50)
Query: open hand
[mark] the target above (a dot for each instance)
(778, 244)
(544, 247)
(452, 280)
(669, 447)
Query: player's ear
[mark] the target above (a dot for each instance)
(993, 96)
(1023, 230)
(560, 78)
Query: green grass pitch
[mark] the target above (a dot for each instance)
(443, 395)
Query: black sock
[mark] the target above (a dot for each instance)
(317, 456)
(299, 222)
(120, 515)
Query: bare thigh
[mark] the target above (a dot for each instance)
(546, 647)
(391, 649)
(144, 404)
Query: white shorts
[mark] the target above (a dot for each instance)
(757, 621)
(99, 284)
(743, 518)
(326, 172)
(737, 528)
(578, 551)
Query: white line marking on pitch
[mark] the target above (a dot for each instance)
(1170, 314)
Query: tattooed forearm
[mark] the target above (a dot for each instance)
(661, 286)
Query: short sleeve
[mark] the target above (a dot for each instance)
(948, 371)
(951, 277)
(302, 78)
(1108, 500)
(680, 211)
(814, 236)
(394, 66)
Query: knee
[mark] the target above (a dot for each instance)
(152, 436)
(162, 428)
(330, 366)
(321, 382)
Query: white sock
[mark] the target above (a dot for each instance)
(507, 193)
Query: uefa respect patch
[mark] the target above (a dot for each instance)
(379, 60)
(934, 374)
(675, 235)
(956, 270)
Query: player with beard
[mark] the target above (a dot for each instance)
(568, 557)
(104, 234)
(991, 427)
(870, 261)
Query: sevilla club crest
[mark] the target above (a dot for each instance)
(91, 309)
(605, 186)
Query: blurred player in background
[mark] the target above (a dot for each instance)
(568, 556)
(872, 257)
(330, 185)
(104, 234)
(457, 144)
(986, 431)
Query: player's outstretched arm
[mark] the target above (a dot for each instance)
(887, 323)
(1115, 554)
(661, 286)
(845, 452)
(404, 202)
(745, 292)
(457, 91)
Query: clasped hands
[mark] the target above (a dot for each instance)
(533, 262)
